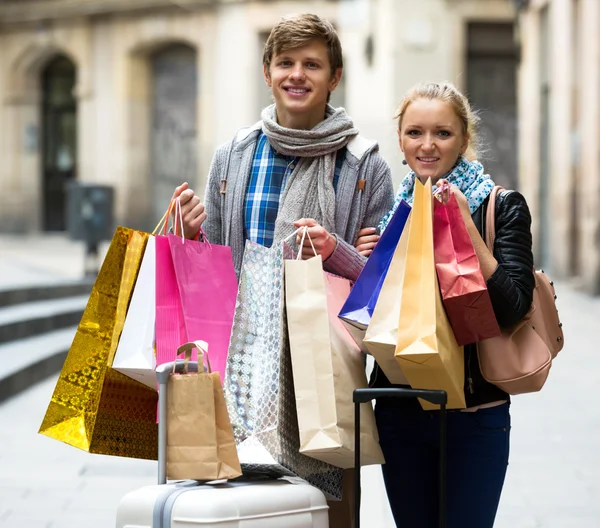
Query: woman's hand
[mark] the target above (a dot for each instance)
(323, 241)
(486, 259)
(444, 195)
(192, 210)
(367, 239)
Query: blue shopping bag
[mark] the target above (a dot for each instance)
(359, 306)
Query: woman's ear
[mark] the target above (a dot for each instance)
(400, 140)
(465, 144)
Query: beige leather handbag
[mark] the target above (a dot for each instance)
(519, 360)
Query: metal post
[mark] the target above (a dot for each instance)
(357, 486)
(443, 491)
(162, 434)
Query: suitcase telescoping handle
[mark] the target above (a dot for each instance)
(437, 397)
(162, 374)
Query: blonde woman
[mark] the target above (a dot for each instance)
(436, 131)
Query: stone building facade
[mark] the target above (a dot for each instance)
(137, 94)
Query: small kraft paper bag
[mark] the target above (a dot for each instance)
(200, 443)
(382, 335)
(463, 287)
(427, 350)
(327, 366)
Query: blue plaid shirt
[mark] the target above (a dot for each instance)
(270, 171)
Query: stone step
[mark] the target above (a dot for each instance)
(25, 362)
(43, 292)
(29, 319)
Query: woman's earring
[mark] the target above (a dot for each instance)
(404, 162)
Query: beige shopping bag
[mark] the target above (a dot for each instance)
(200, 442)
(327, 366)
(427, 351)
(382, 334)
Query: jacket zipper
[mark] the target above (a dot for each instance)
(469, 378)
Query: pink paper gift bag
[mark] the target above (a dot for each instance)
(207, 287)
(170, 324)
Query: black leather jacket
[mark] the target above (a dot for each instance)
(510, 287)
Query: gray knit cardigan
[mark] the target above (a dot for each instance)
(364, 194)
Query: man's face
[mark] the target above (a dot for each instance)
(300, 80)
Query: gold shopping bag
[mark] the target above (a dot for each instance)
(94, 407)
(200, 443)
(426, 349)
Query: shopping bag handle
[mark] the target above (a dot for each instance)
(180, 217)
(437, 397)
(201, 237)
(163, 224)
(444, 192)
(305, 234)
(187, 349)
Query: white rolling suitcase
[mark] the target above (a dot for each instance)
(233, 504)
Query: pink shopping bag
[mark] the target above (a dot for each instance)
(208, 291)
(170, 324)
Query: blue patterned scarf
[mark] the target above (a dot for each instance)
(467, 175)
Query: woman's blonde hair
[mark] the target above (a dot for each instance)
(447, 92)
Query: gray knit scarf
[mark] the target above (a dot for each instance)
(309, 191)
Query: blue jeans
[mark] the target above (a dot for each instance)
(477, 458)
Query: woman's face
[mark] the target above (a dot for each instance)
(432, 138)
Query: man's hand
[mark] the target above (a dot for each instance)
(192, 210)
(324, 242)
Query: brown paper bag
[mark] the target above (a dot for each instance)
(427, 350)
(382, 334)
(200, 444)
(327, 366)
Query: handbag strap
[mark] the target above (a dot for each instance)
(490, 218)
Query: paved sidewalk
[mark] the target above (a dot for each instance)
(552, 481)
(48, 484)
(553, 477)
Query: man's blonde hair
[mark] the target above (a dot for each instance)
(296, 31)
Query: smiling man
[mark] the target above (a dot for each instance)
(302, 164)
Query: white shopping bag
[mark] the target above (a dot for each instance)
(135, 356)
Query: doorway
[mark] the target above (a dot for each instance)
(492, 60)
(59, 151)
(173, 141)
